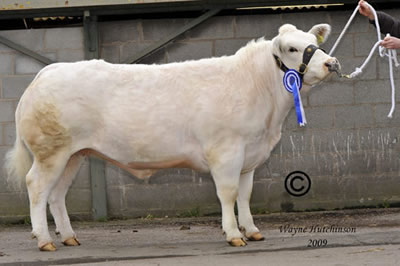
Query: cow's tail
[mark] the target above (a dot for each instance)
(18, 162)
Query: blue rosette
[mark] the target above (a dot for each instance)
(293, 84)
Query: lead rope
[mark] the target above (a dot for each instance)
(390, 53)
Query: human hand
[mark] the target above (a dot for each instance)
(365, 10)
(391, 42)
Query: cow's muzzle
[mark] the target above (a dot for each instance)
(334, 66)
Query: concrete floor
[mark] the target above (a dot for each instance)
(198, 241)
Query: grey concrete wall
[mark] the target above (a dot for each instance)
(349, 148)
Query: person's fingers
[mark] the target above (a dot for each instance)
(387, 43)
(365, 10)
(390, 43)
(389, 46)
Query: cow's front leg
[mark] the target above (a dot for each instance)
(243, 202)
(225, 169)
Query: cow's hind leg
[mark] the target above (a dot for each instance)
(225, 169)
(40, 180)
(243, 202)
(57, 201)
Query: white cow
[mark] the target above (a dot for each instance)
(218, 115)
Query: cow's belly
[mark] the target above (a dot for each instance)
(145, 158)
(146, 169)
(146, 150)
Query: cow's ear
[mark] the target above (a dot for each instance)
(276, 42)
(321, 31)
(286, 28)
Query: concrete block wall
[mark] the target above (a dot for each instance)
(349, 148)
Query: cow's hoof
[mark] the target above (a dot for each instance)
(256, 237)
(48, 247)
(72, 241)
(237, 242)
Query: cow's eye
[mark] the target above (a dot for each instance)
(292, 49)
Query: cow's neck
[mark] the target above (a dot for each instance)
(283, 99)
(271, 89)
(273, 98)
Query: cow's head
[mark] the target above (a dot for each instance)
(292, 48)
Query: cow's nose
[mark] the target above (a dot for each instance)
(333, 65)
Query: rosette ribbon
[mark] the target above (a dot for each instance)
(293, 84)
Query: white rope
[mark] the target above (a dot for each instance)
(391, 53)
(359, 70)
(343, 31)
(392, 56)
(391, 84)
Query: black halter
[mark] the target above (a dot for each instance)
(308, 53)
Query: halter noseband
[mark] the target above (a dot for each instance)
(308, 53)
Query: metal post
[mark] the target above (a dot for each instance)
(91, 36)
(98, 187)
(97, 166)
